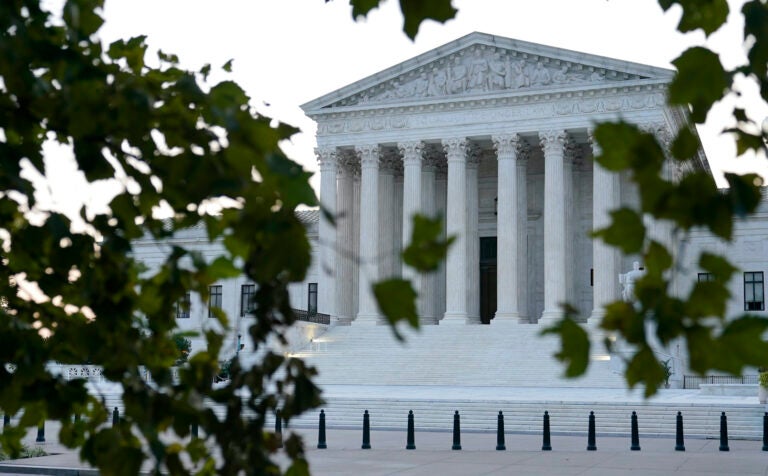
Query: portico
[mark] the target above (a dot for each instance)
(496, 135)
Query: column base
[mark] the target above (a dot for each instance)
(453, 319)
(502, 318)
(366, 320)
(427, 321)
(549, 317)
(595, 318)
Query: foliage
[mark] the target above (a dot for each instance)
(667, 370)
(694, 202)
(763, 379)
(183, 347)
(168, 139)
(26, 452)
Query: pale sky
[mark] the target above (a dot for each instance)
(287, 52)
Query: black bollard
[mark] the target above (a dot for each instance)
(500, 446)
(195, 431)
(6, 420)
(366, 431)
(635, 445)
(321, 432)
(77, 417)
(278, 428)
(679, 444)
(765, 432)
(115, 417)
(723, 433)
(591, 446)
(40, 433)
(546, 445)
(456, 432)
(410, 443)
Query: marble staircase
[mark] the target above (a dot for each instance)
(512, 355)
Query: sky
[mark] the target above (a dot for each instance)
(288, 52)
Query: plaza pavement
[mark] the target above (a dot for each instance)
(523, 456)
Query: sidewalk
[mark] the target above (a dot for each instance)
(433, 455)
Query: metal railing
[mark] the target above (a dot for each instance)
(313, 316)
(693, 381)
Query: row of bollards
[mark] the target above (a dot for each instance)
(546, 436)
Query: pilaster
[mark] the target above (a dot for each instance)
(473, 236)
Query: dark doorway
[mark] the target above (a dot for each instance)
(487, 279)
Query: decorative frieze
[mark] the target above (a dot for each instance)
(482, 69)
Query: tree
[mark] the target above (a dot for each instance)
(178, 143)
(698, 319)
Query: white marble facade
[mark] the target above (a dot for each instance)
(495, 135)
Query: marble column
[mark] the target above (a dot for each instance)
(508, 222)
(473, 237)
(397, 228)
(369, 233)
(345, 229)
(441, 197)
(356, 236)
(521, 164)
(428, 289)
(326, 304)
(411, 152)
(570, 154)
(605, 259)
(456, 268)
(552, 142)
(387, 165)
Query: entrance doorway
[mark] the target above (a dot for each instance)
(487, 279)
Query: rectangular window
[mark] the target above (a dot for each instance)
(182, 307)
(312, 299)
(246, 298)
(704, 277)
(753, 291)
(214, 299)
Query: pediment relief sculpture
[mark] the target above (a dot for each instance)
(481, 70)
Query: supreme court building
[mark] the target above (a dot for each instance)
(495, 135)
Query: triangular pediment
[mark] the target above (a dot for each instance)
(481, 65)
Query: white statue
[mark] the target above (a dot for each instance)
(627, 280)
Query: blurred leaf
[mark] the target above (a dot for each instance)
(427, 249)
(687, 87)
(574, 350)
(397, 302)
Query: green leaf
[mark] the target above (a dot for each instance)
(626, 231)
(744, 192)
(709, 15)
(574, 346)
(686, 144)
(688, 89)
(416, 11)
(645, 367)
(397, 302)
(427, 249)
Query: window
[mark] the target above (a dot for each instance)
(753, 291)
(312, 298)
(704, 277)
(246, 298)
(182, 307)
(214, 299)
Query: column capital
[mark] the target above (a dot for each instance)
(389, 161)
(369, 155)
(411, 151)
(455, 149)
(474, 152)
(326, 158)
(596, 149)
(506, 145)
(552, 141)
